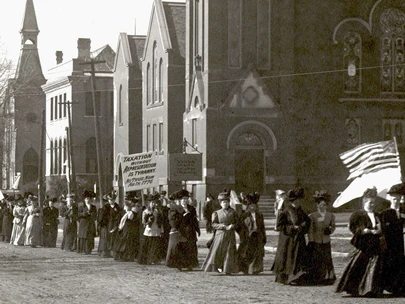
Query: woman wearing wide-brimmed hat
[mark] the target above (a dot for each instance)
(33, 227)
(321, 270)
(7, 223)
(69, 240)
(18, 232)
(222, 255)
(109, 217)
(362, 276)
(87, 214)
(293, 223)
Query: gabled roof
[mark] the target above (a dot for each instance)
(29, 23)
(131, 48)
(107, 54)
(171, 20)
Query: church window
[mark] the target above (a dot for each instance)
(147, 85)
(161, 80)
(155, 80)
(352, 62)
(161, 137)
(263, 31)
(120, 106)
(234, 33)
(394, 128)
(392, 22)
(91, 155)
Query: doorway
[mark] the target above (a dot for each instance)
(249, 170)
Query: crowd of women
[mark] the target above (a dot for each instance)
(165, 231)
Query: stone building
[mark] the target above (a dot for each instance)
(22, 110)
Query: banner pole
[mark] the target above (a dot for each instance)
(399, 160)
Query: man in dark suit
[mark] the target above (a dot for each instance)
(392, 222)
(50, 226)
(87, 215)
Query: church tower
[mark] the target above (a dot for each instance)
(22, 110)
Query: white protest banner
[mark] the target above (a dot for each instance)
(139, 171)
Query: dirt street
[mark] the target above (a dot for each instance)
(50, 275)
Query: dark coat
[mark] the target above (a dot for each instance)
(290, 260)
(50, 216)
(87, 218)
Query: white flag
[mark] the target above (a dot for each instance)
(1, 195)
(382, 180)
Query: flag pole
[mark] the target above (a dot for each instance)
(397, 151)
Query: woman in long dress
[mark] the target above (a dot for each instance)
(18, 232)
(152, 220)
(251, 250)
(321, 270)
(127, 244)
(363, 274)
(7, 225)
(69, 240)
(290, 264)
(222, 256)
(33, 229)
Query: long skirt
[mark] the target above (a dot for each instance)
(7, 229)
(150, 250)
(69, 239)
(321, 270)
(362, 275)
(85, 245)
(18, 234)
(33, 231)
(104, 245)
(178, 252)
(222, 254)
(251, 255)
(127, 244)
(50, 234)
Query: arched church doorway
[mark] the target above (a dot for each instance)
(251, 142)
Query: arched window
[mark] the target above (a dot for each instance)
(161, 80)
(392, 23)
(196, 103)
(91, 155)
(352, 62)
(155, 80)
(147, 85)
(120, 105)
(30, 166)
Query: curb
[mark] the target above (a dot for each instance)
(270, 249)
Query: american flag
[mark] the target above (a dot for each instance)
(368, 158)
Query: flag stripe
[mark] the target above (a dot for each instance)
(367, 158)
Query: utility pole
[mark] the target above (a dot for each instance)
(41, 193)
(70, 156)
(92, 62)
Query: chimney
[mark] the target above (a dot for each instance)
(59, 57)
(83, 46)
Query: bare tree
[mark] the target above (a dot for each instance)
(6, 71)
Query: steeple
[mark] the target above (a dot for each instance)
(29, 65)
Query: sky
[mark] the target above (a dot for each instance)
(62, 22)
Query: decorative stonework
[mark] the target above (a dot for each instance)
(352, 62)
(392, 22)
(352, 131)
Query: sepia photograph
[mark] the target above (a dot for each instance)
(202, 151)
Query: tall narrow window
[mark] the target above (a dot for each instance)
(91, 155)
(51, 110)
(161, 80)
(194, 132)
(352, 62)
(60, 156)
(60, 106)
(120, 105)
(55, 159)
(64, 104)
(155, 138)
(148, 136)
(234, 33)
(392, 22)
(147, 85)
(263, 31)
(56, 107)
(155, 74)
(51, 157)
(161, 136)
(65, 155)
